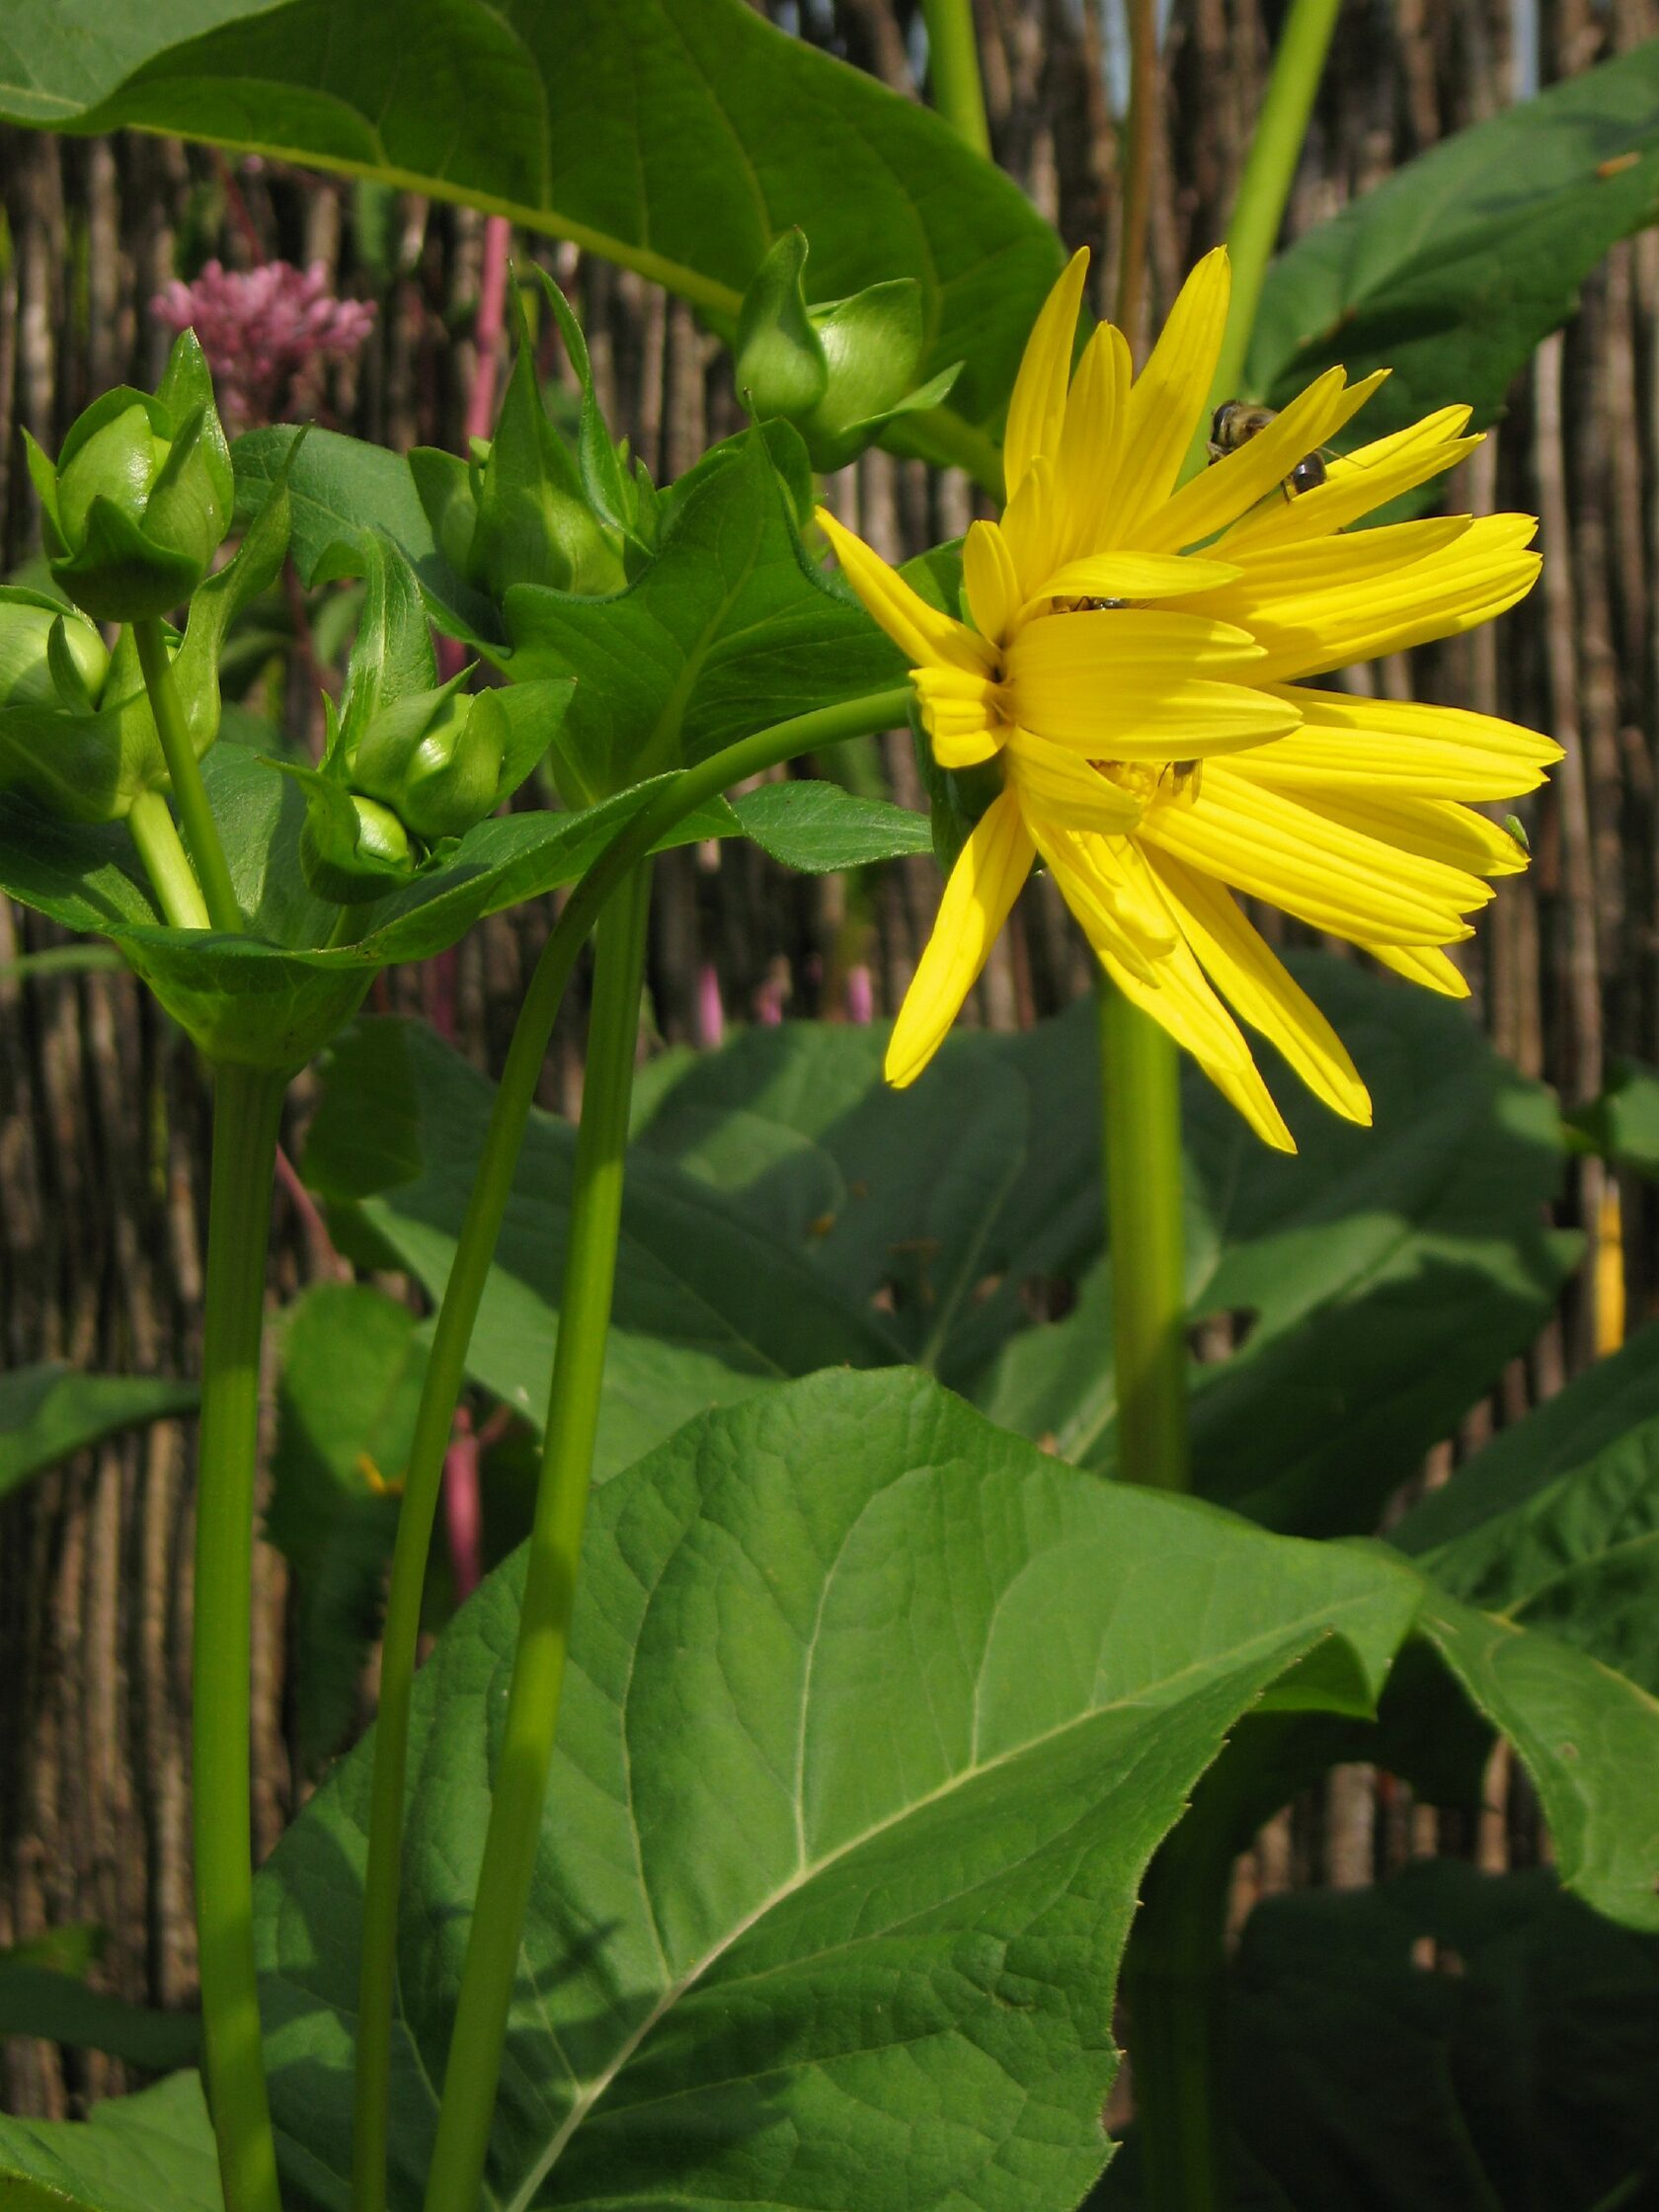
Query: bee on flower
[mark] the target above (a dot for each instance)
(1164, 750)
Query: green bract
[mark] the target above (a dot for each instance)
(76, 733)
(411, 764)
(840, 371)
(525, 509)
(141, 495)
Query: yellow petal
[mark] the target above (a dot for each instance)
(983, 886)
(1137, 575)
(1056, 782)
(1107, 887)
(1231, 486)
(1331, 564)
(1439, 753)
(1486, 571)
(1037, 406)
(1434, 828)
(1031, 527)
(919, 631)
(988, 569)
(1167, 399)
(1360, 482)
(961, 714)
(1250, 975)
(1425, 965)
(1328, 875)
(1091, 442)
(1183, 1002)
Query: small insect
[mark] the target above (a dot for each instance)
(1235, 422)
(1518, 830)
(1185, 776)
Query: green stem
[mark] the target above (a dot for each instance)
(1269, 172)
(1140, 1069)
(445, 1368)
(953, 60)
(190, 793)
(247, 1107)
(166, 863)
(555, 1552)
(1174, 1989)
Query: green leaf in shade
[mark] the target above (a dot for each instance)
(817, 827)
(135, 2154)
(729, 627)
(1511, 2072)
(707, 1308)
(1380, 1279)
(1623, 1123)
(873, 1718)
(1453, 270)
(1556, 1523)
(350, 1382)
(52, 1411)
(47, 2001)
(680, 141)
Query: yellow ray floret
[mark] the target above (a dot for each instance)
(1132, 658)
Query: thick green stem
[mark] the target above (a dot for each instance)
(166, 863)
(554, 1556)
(953, 60)
(1140, 1076)
(246, 1109)
(190, 793)
(445, 1368)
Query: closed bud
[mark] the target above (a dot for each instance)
(840, 371)
(353, 849)
(140, 498)
(32, 673)
(436, 757)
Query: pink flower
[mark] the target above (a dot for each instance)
(266, 333)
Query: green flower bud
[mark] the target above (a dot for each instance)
(436, 757)
(840, 371)
(32, 673)
(353, 849)
(141, 495)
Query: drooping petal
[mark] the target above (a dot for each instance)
(1183, 1002)
(1231, 487)
(1058, 783)
(1486, 571)
(1425, 965)
(988, 571)
(1439, 753)
(1255, 982)
(1167, 399)
(1107, 886)
(1360, 482)
(919, 631)
(1037, 408)
(1335, 878)
(983, 886)
(1137, 575)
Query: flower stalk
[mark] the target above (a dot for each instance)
(201, 834)
(445, 1368)
(166, 863)
(247, 1107)
(1141, 1065)
(526, 1757)
(954, 61)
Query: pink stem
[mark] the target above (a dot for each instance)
(326, 1262)
(463, 1509)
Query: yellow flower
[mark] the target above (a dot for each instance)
(1159, 750)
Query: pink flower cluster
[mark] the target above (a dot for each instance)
(266, 333)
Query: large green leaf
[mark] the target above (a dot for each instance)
(729, 627)
(679, 139)
(136, 2154)
(874, 1716)
(1450, 271)
(49, 1411)
(1556, 1523)
(1623, 1123)
(707, 1308)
